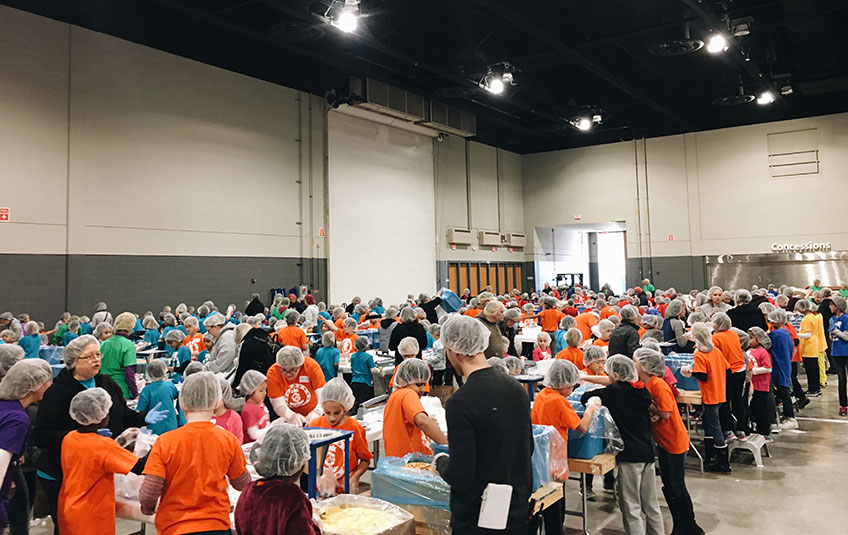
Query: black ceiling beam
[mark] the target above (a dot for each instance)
(518, 20)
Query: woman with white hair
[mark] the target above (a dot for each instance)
(746, 314)
(491, 316)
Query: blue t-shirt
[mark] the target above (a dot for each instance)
(360, 365)
(327, 357)
(151, 336)
(326, 315)
(68, 337)
(201, 357)
(85, 328)
(559, 338)
(163, 392)
(168, 349)
(31, 344)
(182, 356)
(138, 327)
(840, 323)
(781, 354)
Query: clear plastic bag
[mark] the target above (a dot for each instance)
(394, 482)
(400, 523)
(144, 442)
(602, 436)
(550, 456)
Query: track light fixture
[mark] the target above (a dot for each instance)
(584, 123)
(716, 44)
(498, 77)
(344, 15)
(765, 98)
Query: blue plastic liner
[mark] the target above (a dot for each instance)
(395, 483)
(586, 445)
(677, 361)
(52, 354)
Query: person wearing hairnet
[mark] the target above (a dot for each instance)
(763, 407)
(733, 413)
(624, 339)
(89, 462)
(838, 332)
(225, 415)
(198, 455)
(782, 349)
(674, 327)
(275, 503)
(594, 359)
(23, 383)
(635, 481)
(514, 365)
(101, 315)
(337, 399)
(491, 316)
(406, 426)
(710, 368)
(484, 448)
(408, 326)
(159, 392)
(746, 314)
(810, 334)
(289, 333)
(408, 348)
(223, 355)
(254, 415)
(53, 421)
(119, 357)
(293, 385)
(672, 440)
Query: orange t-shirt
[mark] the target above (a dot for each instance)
(608, 311)
(87, 498)
(551, 408)
(339, 328)
(400, 434)
(585, 322)
(574, 354)
(195, 460)
(292, 335)
(671, 434)
(300, 393)
(728, 343)
(195, 343)
(346, 343)
(641, 332)
(796, 355)
(473, 312)
(600, 342)
(392, 382)
(714, 365)
(550, 318)
(334, 459)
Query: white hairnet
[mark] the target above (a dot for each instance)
(562, 373)
(465, 335)
(291, 316)
(156, 370)
(175, 335)
(761, 336)
(9, 355)
(23, 377)
(651, 361)
(124, 322)
(620, 368)
(629, 313)
(674, 308)
(412, 371)
(203, 311)
(514, 365)
(283, 452)
(512, 314)
(650, 343)
(98, 331)
(193, 367)
(337, 390)
(498, 364)
(226, 392)
(606, 325)
(90, 406)
(31, 328)
(213, 320)
(250, 381)
(567, 322)
(593, 354)
(289, 357)
(328, 339)
(75, 348)
(721, 321)
(200, 392)
(742, 296)
(149, 322)
(349, 323)
(573, 337)
(361, 343)
(191, 320)
(408, 346)
(702, 336)
(778, 317)
(407, 315)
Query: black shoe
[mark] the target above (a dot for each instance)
(803, 403)
(722, 464)
(831, 371)
(814, 394)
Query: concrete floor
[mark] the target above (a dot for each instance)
(792, 494)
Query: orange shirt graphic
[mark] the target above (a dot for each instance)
(334, 459)
(300, 393)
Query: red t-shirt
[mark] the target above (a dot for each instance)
(231, 421)
(253, 415)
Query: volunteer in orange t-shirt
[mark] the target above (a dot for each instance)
(587, 324)
(408, 349)
(572, 353)
(728, 343)
(194, 338)
(549, 319)
(291, 334)
(188, 468)
(406, 426)
(89, 462)
(336, 400)
(292, 385)
(594, 359)
(710, 368)
(672, 438)
(345, 334)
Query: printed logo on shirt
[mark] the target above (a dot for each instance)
(298, 396)
(347, 346)
(334, 460)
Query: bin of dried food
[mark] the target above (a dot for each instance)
(359, 515)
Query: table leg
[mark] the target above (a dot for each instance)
(584, 503)
(347, 465)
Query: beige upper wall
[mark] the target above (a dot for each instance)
(711, 190)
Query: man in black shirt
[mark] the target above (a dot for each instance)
(490, 439)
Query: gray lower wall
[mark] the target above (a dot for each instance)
(683, 273)
(47, 285)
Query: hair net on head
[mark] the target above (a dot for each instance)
(408, 346)
(361, 343)
(214, 320)
(23, 377)
(338, 391)
(328, 339)
(630, 313)
(567, 323)
(149, 322)
(593, 354)
(100, 329)
(100, 307)
(169, 320)
(191, 321)
(124, 322)
(200, 392)
(742, 296)
(349, 323)
(702, 336)
(573, 337)
(649, 321)
(620, 368)
(435, 329)
(391, 312)
(291, 316)
(203, 311)
(412, 371)
(90, 406)
(514, 365)
(289, 357)
(75, 348)
(778, 317)
(512, 314)
(31, 328)
(175, 335)
(761, 336)
(561, 374)
(650, 343)
(250, 381)
(226, 392)
(407, 315)
(284, 451)
(156, 370)
(606, 325)
(697, 317)
(9, 355)
(803, 306)
(498, 364)
(838, 301)
(767, 308)
(744, 339)
(465, 335)
(192, 368)
(651, 361)
(721, 321)
(674, 308)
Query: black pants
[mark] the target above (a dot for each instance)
(734, 407)
(450, 374)
(19, 505)
(840, 362)
(762, 411)
(797, 391)
(51, 490)
(811, 367)
(784, 396)
(672, 473)
(438, 378)
(361, 394)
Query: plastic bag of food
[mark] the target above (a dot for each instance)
(408, 480)
(550, 456)
(359, 515)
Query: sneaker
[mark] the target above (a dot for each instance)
(590, 496)
(789, 423)
(730, 436)
(769, 439)
(775, 429)
(814, 394)
(843, 411)
(803, 403)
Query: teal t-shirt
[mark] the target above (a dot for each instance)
(327, 357)
(360, 365)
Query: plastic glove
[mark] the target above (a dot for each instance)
(104, 432)
(296, 419)
(154, 415)
(594, 403)
(686, 371)
(127, 437)
(326, 483)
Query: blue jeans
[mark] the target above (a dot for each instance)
(712, 425)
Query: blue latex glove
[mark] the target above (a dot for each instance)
(439, 448)
(105, 432)
(154, 416)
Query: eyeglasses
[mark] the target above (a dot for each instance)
(93, 356)
(289, 371)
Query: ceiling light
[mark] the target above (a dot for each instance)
(507, 78)
(584, 123)
(346, 16)
(767, 97)
(742, 29)
(716, 44)
(347, 22)
(494, 85)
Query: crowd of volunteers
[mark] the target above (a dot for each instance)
(262, 375)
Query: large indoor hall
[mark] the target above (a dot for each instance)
(382, 267)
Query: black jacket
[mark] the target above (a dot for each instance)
(254, 307)
(624, 339)
(746, 316)
(257, 353)
(53, 421)
(413, 329)
(628, 407)
(430, 308)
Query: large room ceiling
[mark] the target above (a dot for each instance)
(642, 67)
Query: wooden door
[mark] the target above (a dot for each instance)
(510, 277)
(463, 276)
(484, 276)
(453, 278)
(519, 278)
(473, 280)
(501, 279)
(493, 276)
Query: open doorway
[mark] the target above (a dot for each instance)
(592, 252)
